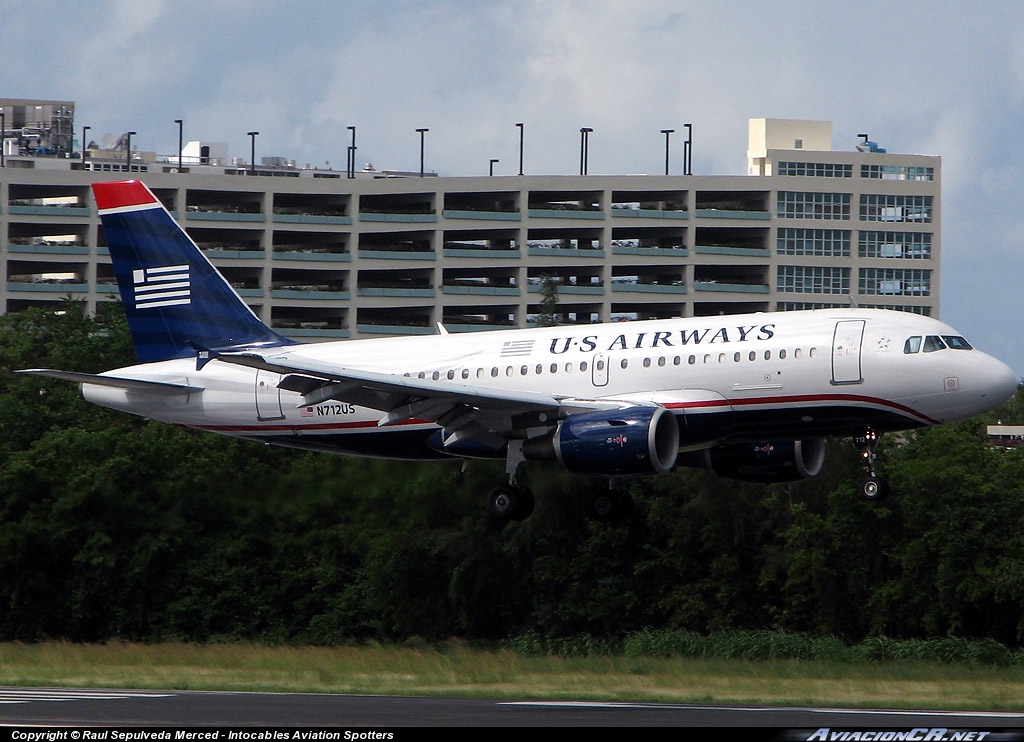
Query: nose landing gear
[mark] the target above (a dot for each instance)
(873, 487)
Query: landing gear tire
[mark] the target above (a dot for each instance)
(611, 506)
(875, 488)
(510, 502)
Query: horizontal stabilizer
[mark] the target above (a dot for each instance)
(136, 385)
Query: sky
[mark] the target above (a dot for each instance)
(932, 77)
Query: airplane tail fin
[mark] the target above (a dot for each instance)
(176, 301)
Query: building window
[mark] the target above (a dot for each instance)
(816, 169)
(895, 208)
(905, 245)
(797, 205)
(803, 279)
(800, 306)
(895, 281)
(897, 172)
(923, 311)
(829, 243)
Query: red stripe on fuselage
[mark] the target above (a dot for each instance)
(709, 405)
(799, 401)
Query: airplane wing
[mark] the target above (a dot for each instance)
(157, 387)
(464, 411)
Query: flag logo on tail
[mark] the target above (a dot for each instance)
(167, 286)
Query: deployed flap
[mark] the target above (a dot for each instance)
(382, 391)
(156, 387)
(464, 411)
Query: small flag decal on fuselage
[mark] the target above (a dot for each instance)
(516, 348)
(161, 287)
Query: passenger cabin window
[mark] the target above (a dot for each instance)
(913, 345)
(933, 343)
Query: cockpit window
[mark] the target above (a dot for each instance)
(913, 345)
(933, 343)
(956, 342)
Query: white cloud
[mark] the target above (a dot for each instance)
(929, 76)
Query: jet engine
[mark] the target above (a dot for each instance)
(763, 462)
(633, 441)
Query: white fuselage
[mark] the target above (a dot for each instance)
(791, 375)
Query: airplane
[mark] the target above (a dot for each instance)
(751, 397)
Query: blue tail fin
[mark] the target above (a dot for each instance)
(176, 301)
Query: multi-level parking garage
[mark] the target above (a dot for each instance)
(321, 255)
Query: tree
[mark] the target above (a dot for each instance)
(549, 316)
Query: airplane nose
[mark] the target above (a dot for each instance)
(998, 381)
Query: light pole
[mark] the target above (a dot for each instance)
(520, 125)
(422, 135)
(491, 171)
(181, 125)
(584, 149)
(85, 146)
(667, 133)
(688, 151)
(128, 147)
(352, 154)
(252, 151)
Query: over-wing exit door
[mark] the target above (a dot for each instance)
(846, 350)
(599, 370)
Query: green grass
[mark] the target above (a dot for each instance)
(456, 670)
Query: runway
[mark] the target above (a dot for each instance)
(137, 708)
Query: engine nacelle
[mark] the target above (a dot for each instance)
(765, 462)
(636, 440)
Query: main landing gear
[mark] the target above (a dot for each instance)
(873, 487)
(611, 505)
(511, 500)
